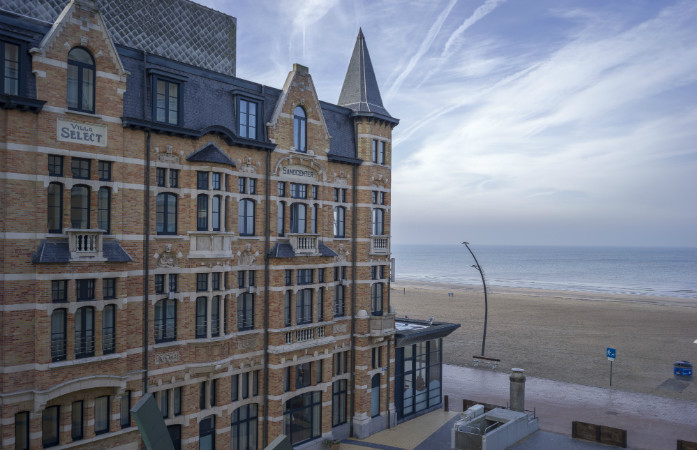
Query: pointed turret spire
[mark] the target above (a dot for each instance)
(360, 91)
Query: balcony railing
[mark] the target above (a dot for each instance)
(304, 244)
(305, 334)
(85, 245)
(379, 245)
(210, 244)
(382, 325)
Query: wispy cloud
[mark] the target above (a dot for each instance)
(423, 48)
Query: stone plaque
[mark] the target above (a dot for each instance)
(169, 357)
(81, 133)
(300, 173)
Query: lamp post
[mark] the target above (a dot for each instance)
(486, 305)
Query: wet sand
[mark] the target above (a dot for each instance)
(563, 335)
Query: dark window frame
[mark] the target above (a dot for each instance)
(165, 322)
(300, 129)
(163, 216)
(80, 168)
(244, 124)
(55, 212)
(80, 212)
(246, 219)
(59, 291)
(303, 306)
(84, 289)
(59, 348)
(201, 328)
(104, 209)
(245, 312)
(77, 428)
(4, 70)
(166, 109)
(104, 170)
(21, 430)
(82, 83)
(85, 335)
(107, 425)
(339, 222)
(160, 176)
(109, 330)
(54, 422)
(55, 165)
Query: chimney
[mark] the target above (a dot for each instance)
(517, 394)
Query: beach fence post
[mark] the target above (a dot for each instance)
(486, 305)
(445, 403)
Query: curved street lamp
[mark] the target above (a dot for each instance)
(486, 305)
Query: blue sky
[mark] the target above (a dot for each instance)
(522, 122)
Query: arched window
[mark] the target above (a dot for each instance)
(104, 209)
(81, 80)
(299, 130)
(244, 428)
(378, 222)
(298, 214)
(166, 213)
(55, 208)
(80, 207)
(206, 433)
(165, 320)
(339, 220)
(202, 212)
(375, 396)
(302, 417)
(246, 217)
(201, 317)
(109, 329)
(84, 332)
(58, 324)
(376, 297)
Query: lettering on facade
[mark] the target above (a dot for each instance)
(299, 172)
(81, 133)
(169, 357)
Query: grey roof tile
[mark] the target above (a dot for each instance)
(285, 250)
(58, 252)
(212, 154)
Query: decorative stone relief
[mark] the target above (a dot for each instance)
(168, 258)
(169, 357)
(247, 166)
(340, 328)
(341, 178)
(168, 156)
(246, 257)
(342, 255)
(380, 180)
(246, 344)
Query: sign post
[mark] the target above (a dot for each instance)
(611, 353)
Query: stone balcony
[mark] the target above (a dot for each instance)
(210, 244)
(85, 245)
(381, 326)
(304, 244)
(379, 245)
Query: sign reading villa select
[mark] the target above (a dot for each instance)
(81, 133)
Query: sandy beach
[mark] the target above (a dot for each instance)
(563, 335)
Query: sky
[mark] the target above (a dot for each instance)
(540, 122)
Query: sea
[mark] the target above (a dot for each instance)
(648, 271)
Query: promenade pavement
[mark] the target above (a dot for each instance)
(651, 422)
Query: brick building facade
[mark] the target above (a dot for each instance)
(169, 228)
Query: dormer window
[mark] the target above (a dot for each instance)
(81, 71)
(166, 101)
(248, 119)
(300, 130)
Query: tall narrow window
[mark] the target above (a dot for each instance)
(202, 212)
(201, 316)
(108, 288)
(109, 329)
(22, 431)
(298, 213)
(55, 208)
(338, 301)
(381, 155)
(81, 80)
(125, 410)
(339, 393)
(84, 332)
(303, 306)
(178, 401)
(165, 320)
(245, 312)
(104, 209)
(104, 170)
(248, 119)
(9, 60)
(281, 218)
(339, 218)
(375, 396)
(166, 213)
(101, 414)
(58, 324)
(246, 217)
(376, 308)
(80, 207)
(287, 305)
(378, 222)
(215, 212)
(320, 304)
(55, 165)
(313, 219)
(215, 316)
(84, 290)
(76, 419)
(49, 426)
(299, 129)
(166, 101)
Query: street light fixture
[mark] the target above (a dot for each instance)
(486, 304)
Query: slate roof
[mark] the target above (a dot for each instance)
(177, 29)
(211, 154)
(424, 330)
(285, 250)
(59, 252)
(360, 91)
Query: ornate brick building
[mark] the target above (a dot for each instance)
(169, 228)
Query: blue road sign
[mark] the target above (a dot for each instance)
(611, 353)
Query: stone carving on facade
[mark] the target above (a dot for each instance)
(342, 255)
(380, 180)
(341, 178)
(168, 258)
(168, 357)
(246, 257)
(306, 160)
(168, 156)
(247, 165)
